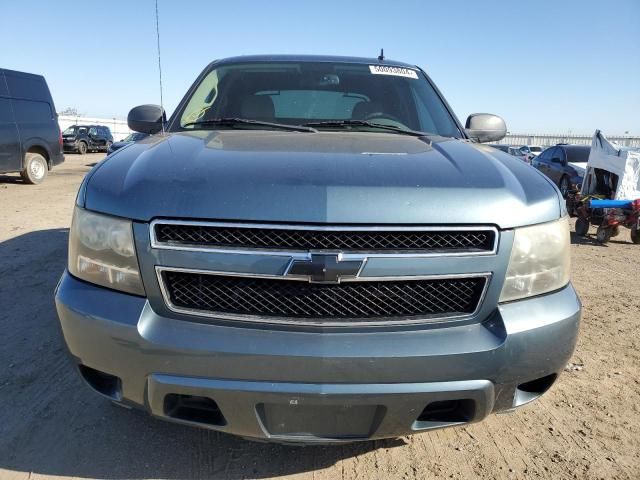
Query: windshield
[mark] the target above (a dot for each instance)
(73, 130)
(134, 137)
(578, 154)
(296, 93)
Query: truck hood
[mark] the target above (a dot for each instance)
(326, 177)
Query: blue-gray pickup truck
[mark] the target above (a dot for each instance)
(314, 249)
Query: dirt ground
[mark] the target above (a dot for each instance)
(51, 425)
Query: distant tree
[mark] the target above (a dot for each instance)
(69, 111)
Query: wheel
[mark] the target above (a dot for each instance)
(603, 235)
(35, 168)
(564, 186)
(82, 148)
(635, 234)
(615, 231)
(582, 226)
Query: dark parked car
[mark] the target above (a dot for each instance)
(502, 148)
(87, 138)
(30, 141)
(564, 164)
(131, 138)
(316, 250)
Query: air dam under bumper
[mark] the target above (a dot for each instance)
(302, 386)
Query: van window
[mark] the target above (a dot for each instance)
(27, 111)
(27, 86)
(3, 86)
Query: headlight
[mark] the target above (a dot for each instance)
(101, 251)
(540, 260)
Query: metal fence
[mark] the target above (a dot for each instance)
(546, 139)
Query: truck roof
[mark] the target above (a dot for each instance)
(310, 58)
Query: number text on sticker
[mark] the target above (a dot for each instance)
(396, 71)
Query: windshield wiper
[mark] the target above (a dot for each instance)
(232, 121)
(364, 123)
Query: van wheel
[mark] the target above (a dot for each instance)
(635, 234)
(35, 168)
(82, 148)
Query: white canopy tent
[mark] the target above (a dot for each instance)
(621, 161)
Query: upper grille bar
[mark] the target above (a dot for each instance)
(276, 238)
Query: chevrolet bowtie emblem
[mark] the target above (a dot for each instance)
(325, 268)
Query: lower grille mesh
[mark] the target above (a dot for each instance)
(346, 302)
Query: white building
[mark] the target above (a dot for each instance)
(547, 139)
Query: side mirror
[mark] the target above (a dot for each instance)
(146, 119)
(485, 127)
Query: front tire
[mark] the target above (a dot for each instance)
(564, 186)
(35, 168)
(82, 148)
(635, 234)
(603, 235)
(582, 226)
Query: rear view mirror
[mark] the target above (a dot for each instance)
(485, 127)
(146, 119)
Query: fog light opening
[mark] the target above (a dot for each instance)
(529, 391)
(448, 411)
(104, 383)
(193, 408)
(539, 385)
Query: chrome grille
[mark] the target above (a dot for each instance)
(299, 302)
(345, 239)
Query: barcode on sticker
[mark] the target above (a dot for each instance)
(389, 70)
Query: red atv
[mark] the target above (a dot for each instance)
(609, 215)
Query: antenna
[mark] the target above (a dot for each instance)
(159, 63)
(380, 57)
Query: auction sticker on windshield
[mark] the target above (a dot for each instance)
(396, 71)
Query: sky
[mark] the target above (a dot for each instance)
(545, 66)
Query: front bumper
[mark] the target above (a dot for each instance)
(302, 386)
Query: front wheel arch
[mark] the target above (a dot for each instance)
(564, 179)
(40, 150)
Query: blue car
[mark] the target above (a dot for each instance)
(132, 137)
(564, 164)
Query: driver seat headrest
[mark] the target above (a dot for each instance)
(363, 109)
